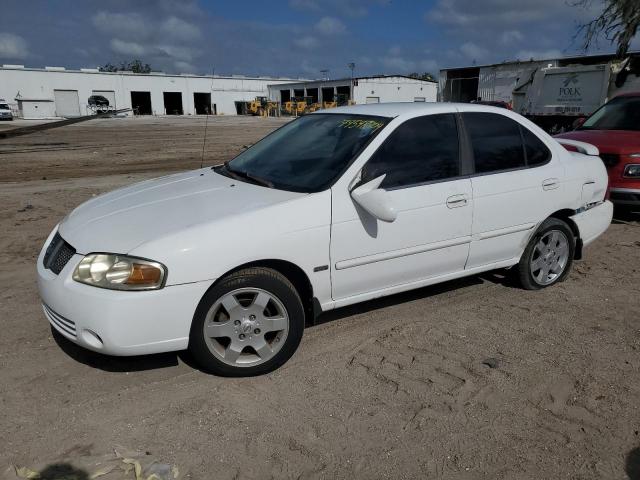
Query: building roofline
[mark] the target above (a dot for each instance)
(94, 71)
(535, 60)
(348, 79)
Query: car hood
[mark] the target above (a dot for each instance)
(608, 141)
(121, 220)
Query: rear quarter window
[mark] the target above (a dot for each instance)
(535, 149)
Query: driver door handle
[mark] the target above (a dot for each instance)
(456, 201)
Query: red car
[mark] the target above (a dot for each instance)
(615, 129)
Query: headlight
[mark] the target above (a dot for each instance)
(632, 171)
(119, 272)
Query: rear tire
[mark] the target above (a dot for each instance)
(249, 323)
(548, 257)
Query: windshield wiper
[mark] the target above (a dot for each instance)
(248, 176)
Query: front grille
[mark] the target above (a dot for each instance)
(58, 254)
(63, 324)
(625, 197)
(610, 160)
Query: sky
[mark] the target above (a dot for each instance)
(293, 38)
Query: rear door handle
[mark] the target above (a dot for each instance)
(456, 201)
(550, 184)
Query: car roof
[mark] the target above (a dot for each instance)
(398, 109)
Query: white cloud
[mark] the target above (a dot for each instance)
(185, 54)
(473, 51)
(349, 8)
(330, 26)
(180, 29)
(493, 12)
(127, 48)
(13, 46)
(185, 67)
(402, 65)
(306, 42)
(131, 25)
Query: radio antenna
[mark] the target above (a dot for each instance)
(206, 121)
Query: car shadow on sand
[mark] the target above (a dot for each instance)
(140, 363)
(110, 363)
(632, 464)
(61, 471)
(409, 296)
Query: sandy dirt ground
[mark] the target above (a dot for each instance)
(472, 379)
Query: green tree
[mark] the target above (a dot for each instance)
(423, 76)
(135, 66)
(618, 23)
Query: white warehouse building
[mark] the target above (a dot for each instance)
(57, 92)
(375, 89)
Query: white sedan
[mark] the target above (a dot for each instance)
(334, 208)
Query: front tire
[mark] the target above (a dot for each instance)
(249, 323)
(548, 257)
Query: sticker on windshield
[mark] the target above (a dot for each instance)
(361, 124)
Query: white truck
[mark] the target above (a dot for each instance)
(556, 97)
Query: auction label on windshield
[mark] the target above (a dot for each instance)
(361, 124)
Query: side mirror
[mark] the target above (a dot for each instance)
(375, 200)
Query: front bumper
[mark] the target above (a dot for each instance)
(625, 196)
(593, 222)
(117, 322)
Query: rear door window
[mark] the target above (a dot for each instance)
(496, 142)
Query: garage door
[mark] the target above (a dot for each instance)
(67, 103)
(109, 95)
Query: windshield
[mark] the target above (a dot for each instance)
(622, 113)
(4, 106)
(308, 154)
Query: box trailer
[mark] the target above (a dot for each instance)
(551, 93)
(556, 96)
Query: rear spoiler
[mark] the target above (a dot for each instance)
(582, 147)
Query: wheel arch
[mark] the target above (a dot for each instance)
(292, 272)
(565, 215)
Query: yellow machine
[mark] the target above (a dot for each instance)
(329, 104)
(299, 106)
(270, 109)
(303, 104)
(287, 107)
(314, 107)
(253, 107)
(262, 106)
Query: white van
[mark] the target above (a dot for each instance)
(5, 110)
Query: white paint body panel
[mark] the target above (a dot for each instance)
(201, 225)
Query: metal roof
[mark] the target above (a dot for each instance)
(93, 71)
(539, 60)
